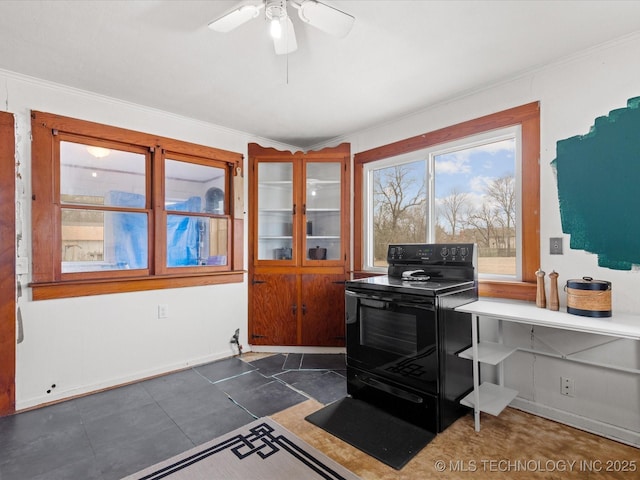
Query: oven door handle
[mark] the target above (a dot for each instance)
(379, 301)
(377, 304)
(396, 392)
(393, 305)
(423, 306)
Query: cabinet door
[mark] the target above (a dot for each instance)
(274, 310)
(322, 310)
(322, 209)
(275, 212)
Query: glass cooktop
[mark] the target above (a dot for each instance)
(390, 284)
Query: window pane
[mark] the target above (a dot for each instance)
(99, 176)
(399, 207)
(95, 240)
(323, 200)
(193, 241)
(275, 216)
(475, 200)
(190, 187)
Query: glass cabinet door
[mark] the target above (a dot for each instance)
(275, 211)
(322, 210)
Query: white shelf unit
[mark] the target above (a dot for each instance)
(489, 352)
(492, 398)
(487, 397)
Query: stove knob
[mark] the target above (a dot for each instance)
(454, 251)
(444, 252)
(463, 251)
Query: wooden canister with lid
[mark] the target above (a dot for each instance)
(588, 297)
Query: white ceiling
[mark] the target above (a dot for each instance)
(400, 57)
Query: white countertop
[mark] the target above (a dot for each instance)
(623, 325)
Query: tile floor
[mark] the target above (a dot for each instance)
(112, 434)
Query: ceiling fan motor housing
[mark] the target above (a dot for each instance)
(276, 9)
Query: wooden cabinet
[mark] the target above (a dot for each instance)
(323, 309)
(298, 220)
(274, 307)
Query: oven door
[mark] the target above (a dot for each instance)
(393, 336)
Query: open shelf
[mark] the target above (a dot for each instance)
(489, 352)
(493, 398)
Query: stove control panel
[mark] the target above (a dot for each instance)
(431, 253)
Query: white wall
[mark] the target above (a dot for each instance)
(572, 93)
(87, 343)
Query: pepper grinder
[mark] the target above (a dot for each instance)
(554, 302)
(541, 300)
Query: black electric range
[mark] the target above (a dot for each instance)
(404, 335)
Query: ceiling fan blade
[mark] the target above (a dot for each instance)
(287, 41)
(323, 17)
(235, 18)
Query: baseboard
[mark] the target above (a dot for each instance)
(612, 432)
(79, 391)
(280, 349)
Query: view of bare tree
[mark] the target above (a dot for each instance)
(400, 213)
(482, 221)
(453, 210)
(502, 192)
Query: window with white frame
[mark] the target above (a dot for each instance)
(467, 190)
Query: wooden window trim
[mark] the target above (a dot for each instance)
(528, 117)
(47, 280)
(7, 265)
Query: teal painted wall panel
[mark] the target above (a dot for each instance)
(598, 177)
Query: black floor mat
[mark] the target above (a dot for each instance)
(377, 433)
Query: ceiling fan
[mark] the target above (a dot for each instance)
(324, 17)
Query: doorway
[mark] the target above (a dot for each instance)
(7, 265)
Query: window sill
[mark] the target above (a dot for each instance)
(511, 290)
(80, 288)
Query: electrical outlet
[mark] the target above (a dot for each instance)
(555, 245)
(163, 310)
(567, 386)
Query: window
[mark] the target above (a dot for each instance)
(473, 182)
(103, 206)
(462, 191)
(125, 211)
(196, 220)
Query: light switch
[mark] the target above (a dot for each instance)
(555, 245)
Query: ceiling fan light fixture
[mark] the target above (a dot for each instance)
(275, 28)
(287, 42)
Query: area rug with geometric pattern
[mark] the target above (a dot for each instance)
(262, 449)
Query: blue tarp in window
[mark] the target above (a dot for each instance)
(183, 234)
(130, 249)
(129, 231)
